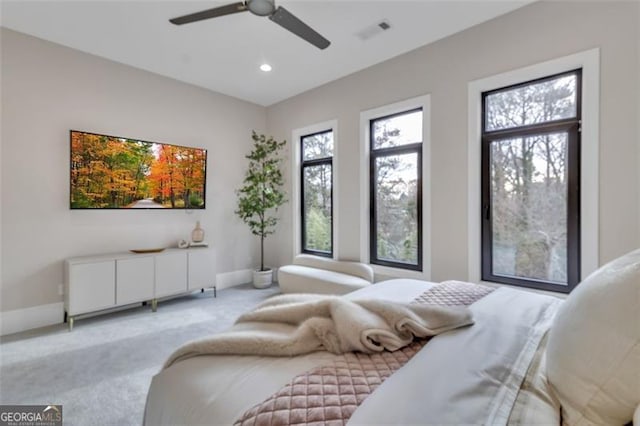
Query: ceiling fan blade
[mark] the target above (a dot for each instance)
(286, 20)
(210, 13)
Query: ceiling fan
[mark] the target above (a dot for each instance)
(279, 15)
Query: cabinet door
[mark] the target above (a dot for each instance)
(171, 274)
(202, 268)
(134, 280)
(92, 286)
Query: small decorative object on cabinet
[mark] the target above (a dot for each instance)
(150, 250)
(95, 283)
(200, 244)
(197, 235)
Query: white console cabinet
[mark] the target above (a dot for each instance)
(135, 280)
(172, 274)
(200, 270)
(94, 283)
(98, 289)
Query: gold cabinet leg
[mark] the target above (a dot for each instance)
(70, 321)
(154, 305)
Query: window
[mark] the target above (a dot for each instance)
(395, 183)
(531, 183)
(316, 177)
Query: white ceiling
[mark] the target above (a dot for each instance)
(223, 54)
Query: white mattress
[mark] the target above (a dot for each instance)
(470, 375)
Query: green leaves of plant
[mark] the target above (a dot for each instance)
(261, 193)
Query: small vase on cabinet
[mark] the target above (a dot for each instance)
(197, 235)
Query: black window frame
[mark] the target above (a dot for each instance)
(303, 165)
(570, 126)
(374, 154)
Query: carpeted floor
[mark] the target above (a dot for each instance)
(100, 372)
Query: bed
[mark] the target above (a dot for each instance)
(512, 366)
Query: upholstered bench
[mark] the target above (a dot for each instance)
(313, 274)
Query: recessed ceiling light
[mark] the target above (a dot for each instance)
(265, 67)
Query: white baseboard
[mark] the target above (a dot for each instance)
(36, 316)
(43, 315)
(233, 278)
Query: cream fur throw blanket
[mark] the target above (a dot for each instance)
(297, 324)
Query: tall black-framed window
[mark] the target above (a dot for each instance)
(531, 183)
(316, 195)
(395, 183)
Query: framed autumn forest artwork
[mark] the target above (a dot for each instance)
(109, 172)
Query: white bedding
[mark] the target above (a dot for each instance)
(298, 324)
(470, 375)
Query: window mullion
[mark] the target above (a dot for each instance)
(397, 150)
(317, 161)
(538, 128)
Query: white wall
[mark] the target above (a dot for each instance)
(1, 190)
(638, 119)
(533, 34)
(48, 89)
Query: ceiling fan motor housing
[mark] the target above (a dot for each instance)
(261, 7)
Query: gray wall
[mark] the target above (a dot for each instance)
(48, 89)
(533, 34)
(638, 117)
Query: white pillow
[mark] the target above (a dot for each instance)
(593, 356)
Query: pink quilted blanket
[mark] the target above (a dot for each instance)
(328, 395)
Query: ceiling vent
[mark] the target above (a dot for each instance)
(373, 30)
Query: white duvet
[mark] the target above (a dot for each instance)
(469, 375)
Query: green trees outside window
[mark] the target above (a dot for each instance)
(317, 193)
(396, 190)
(531, 183)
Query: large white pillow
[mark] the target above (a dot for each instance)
(593, 355)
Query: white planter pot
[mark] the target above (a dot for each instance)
(262, 279)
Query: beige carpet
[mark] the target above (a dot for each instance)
(101, 371)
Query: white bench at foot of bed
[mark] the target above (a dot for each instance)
(312, 274)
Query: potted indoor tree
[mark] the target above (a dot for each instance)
(260, 196)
